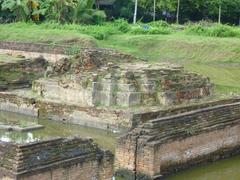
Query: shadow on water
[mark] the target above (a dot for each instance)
(105, 139)
(228, 169)
(221, 170)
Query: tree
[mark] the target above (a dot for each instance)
(154, 10)
(20, 8)
(135, 12)
(123, 9)
(178, 9)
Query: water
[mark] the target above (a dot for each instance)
(52, 129)
(221, 170)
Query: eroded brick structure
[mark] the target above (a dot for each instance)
(165, 144)
(109, 90)
(95, 87)
(108, 78)
(20, 73)
(70, 159)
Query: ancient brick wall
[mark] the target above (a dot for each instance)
(142, 117)
(21, 73)
(55, 52)
(33, 47)
(91, 117)
(18, 104)
(70, 159)
(174, 142)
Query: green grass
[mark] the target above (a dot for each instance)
(34, 33)
(218, 58)
(178, 48)
(225, 78)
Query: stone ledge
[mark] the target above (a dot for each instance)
(21, 129)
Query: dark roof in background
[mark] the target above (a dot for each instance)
(106, 2)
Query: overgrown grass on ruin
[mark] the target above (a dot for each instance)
(210, 49)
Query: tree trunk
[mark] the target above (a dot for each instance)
(135, 12)
(178, 9)
(97, 4)
(219, 14)
(154, 10)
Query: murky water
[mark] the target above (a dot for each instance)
(51, 129)
(221, 170)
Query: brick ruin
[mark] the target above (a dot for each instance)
(126, 85)
(21, 73)
(60, 158)
(163, 145)
(98, 85)
(116, 80)
(165, 110)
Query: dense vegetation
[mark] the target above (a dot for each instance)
(88, 11)
(64, 11)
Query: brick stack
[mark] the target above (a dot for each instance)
(165, 144)
(71, 159)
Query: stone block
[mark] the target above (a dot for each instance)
(104, 98)
(128, 98)
(126, 87)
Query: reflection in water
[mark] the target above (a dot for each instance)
(222, 170)
(226, 169)
(19, 138)
(52, 129)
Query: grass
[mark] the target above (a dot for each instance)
(34, 33)
(216, 57)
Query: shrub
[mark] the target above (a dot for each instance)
(159, 24)
(223, 31)
(99, 32)
(214, 30)
(196, 29)
(122, 25)
(98, 17)
(146, 29)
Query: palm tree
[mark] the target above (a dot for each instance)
(21, 8)
(83, 11)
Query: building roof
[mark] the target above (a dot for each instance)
(106, 2)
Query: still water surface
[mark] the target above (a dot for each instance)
(221, 170)
(52, 129)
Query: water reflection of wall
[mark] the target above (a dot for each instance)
(53, 129)
(17, 137)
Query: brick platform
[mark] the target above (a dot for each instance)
(56, 159)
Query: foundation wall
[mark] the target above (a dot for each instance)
(164, 145)
(144, 117)
(91, 117)
(50, 57)
(57, 159)
(20, 74)
(33, 47)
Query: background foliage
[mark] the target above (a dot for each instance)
(85, 11)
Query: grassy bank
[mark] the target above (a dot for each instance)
(201, 51)
(34, 33)
(218, 58)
